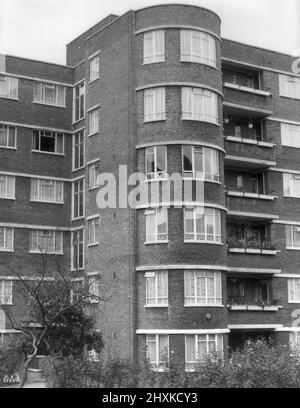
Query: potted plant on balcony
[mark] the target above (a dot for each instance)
(252, 246)
(267, 246)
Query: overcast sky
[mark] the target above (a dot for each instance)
(40, 29)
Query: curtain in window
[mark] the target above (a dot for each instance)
(162, 287)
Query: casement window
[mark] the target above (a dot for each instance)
(290, 135)
(77, 291)
(156, 162)
(156, 225)
(6, 292)
(78, 197)
(295, 342)
(7, 186)
(202, 288)
(77, 258)
(79, 102)
(49, 191)
(157, 347)
(156, 288)
(199, 104)
(8, 87)
(292, 237)
(202, 225)
(8, 136)
(78, 150)
(6, 239)
(46, 141)
(289, 86)
(294, 290)
(93, 225)
(154, 46)
(94, 68)
(93, 172)
(46, 241)
(154, 104)
(197, 46)
(200, 346)
(93, 121)
(200, 163)
(49, 94)
(291, 185)
(94, 289)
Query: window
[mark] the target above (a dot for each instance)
(45, 141)
(93, 121)
(78, 187)
(157, 225)
(197, 46)
(289, 86)
(157, 288)
(7, 187)
(292, 237)
(202, 288)
(49, 94)
(94, 289)
(93, 225)
(78, 150)
(158, 351)
(202, 225)
(154, 46)
(200, 163)
(77, 291)
(291, 185)
(46, 241)
(6, 239)
(156, 162)
(200, 346)
(295, 342)
(8, 87)
(77, 260)
(6, 292)
(94, 68)
(93, 174)
(199, 104)
(8, 136)
(154, 104)
(78, 102)
(294, 290)
(290, 135)
(49, 191)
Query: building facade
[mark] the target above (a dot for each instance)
(160, 91)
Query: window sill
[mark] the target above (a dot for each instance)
(6, 304)
(51, 153)
(10, 98)
(78, 218)
(93, 188)
(200, 179)
(49, 104)
(288, 196)
(46, 253)
(155, 306)
(78, 120)
(202, 242)
(205, 305)
(292, 249)
(8, 198)
(156, 242)
(154, 120)
(200, 120)
(94, 80)
(93, 134)
(93, 245)
(153, 62)
(289, 97)
(77, 269)
(7, 250)
(47, 202)
(190, 60)
(79, 168)
(8, 147)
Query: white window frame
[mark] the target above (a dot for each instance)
(76, 196)
(210, 301)
(81, 87)
(92, 228)
(56, 236)
(289, 181)
(93, 121)
(210, 175)
(190, 366)
(156, 175)
(7, 129)
(290, 238)
(92, 175)
(94, 288)
(155, 212)
(55, 183)
(154, 53)
(94, 68)
(3, 299)
(5, 231)
(39, 95)
(289, 86)
(55, 135)
(75, 295)
(155, 104)
(11, 87)
(290, 135)
(292, 290)
(188, 48)
(79, 244)
(192, 97)
(157, 364)
(81, 148)
(9, 190)
(217, 235)
(160, 301)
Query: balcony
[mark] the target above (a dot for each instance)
(250, 206)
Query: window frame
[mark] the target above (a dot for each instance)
(92, 59)
(8, 127)
(96, 129)
(8, 178)
(214, 160)
(80, 85)
(80, 245)
(155, 56)
(94, 223)
(52, 134)
(94, 168)
(39, 95)
(55, 182)
(217, 237)
(154, 211)
(156, 289)
(8, 302)
(78, 193)
(188, 100)
(194, 275)
(156, 174)
(9, 80)
(191, 56)
(157, 365)
(93, 288)
(190, 366)
(285, 88)
(155, 115)
(292, 289)
(12, 231)
(58, 236)
(288, 132)
(289, 185)
(81, 147)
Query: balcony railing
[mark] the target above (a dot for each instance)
(242, 245)
(240, 303)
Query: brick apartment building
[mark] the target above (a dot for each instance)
(158, 90)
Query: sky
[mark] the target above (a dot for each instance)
(40, 29)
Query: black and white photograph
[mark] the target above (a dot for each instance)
(149, 197)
